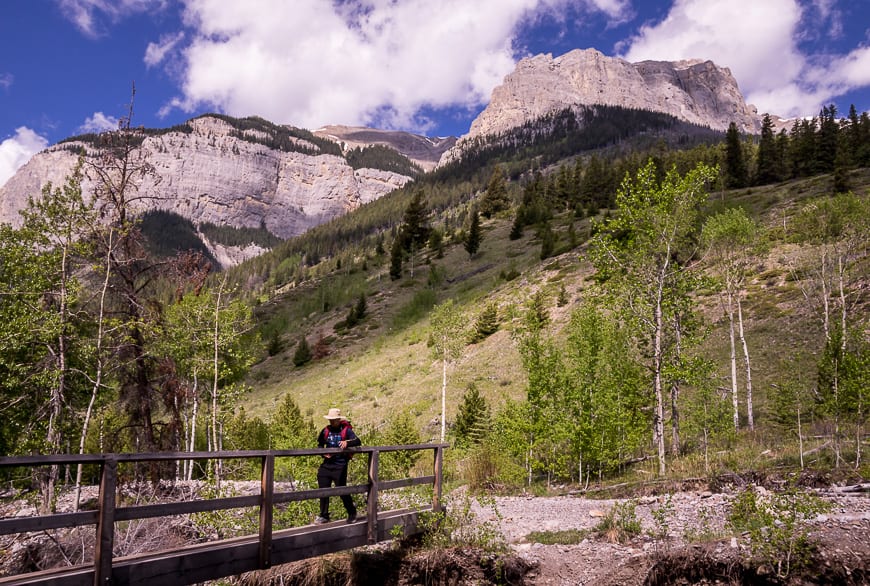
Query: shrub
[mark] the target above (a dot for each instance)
(776, 524)
(620, 524)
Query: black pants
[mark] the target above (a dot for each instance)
(326, 476)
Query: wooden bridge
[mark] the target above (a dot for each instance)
(227, 557)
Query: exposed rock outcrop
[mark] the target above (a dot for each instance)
(213, 175)
(423, 150)
(696, 91)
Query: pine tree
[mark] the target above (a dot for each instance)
(302, 356)
(474, 236)
(397, 253)
(360, 307)
(768, 171)
(472, 419)
(735, 163)
(401, 430)
(495, 198)
(826, 147)
(517, 227)
(548, 240)
(486, 324)
(415, 228)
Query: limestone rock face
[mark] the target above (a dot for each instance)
(210, 175)
(696, 91)
(423, 150)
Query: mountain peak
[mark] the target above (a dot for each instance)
(422, 150)
(694, 90)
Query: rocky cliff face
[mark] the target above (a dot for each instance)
(213, 175)
(422, 150)
(696, 91)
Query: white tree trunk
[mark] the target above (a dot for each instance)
(98, 376)
(444, 397)
(826, 310)
(659, 423)
(214, 389)
(193, 417)
(675, 391)
(750, 418)
(733, 359)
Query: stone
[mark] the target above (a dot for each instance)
(697, 91)
(211, 175)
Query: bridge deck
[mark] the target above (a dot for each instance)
(229, 557)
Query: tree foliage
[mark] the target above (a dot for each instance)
(474, 236)
(472, 419)
(642, 252)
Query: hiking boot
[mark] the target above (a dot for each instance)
(351, 518)
(320, 520)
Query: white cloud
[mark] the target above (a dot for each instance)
(155, 53)
(311, 62)
(17, 150)
(615, 9)
(97, 123)
(90, 16)
(6, 80)
(759, 42)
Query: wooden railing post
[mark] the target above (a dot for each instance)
(436, 489)
(105, 536)
(267, 491)
(372, 499)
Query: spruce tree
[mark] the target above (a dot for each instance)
(767, 154)
(302, 356)
(415, 228)
(472, 420)
(486, 324)
(548, 240)
(360, 307)
(495, 198)
(474, 236)
(517, 227)
(735, 163)
(826, 147)
(397, 252)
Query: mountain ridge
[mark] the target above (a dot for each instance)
(695, 91)
(251, 173)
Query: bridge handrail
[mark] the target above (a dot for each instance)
(108, 513)
(42, 460)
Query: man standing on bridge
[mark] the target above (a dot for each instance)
(333, 469)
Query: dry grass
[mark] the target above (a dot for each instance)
(376, 370)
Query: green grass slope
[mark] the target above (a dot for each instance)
(384, 365)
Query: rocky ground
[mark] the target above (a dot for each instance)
(682, 540)
(692, 547)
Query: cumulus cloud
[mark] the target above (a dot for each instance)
(759, 42)
(92, 16)
(6, 80)
(97, 123)
(311, 62)
(17, 150)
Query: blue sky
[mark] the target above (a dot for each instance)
(428, 66)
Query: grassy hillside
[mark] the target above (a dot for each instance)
(384, 365)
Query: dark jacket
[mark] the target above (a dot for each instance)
(329, 438)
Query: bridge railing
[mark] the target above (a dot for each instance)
(108, 511)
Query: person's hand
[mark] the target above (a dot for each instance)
(342, 444)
